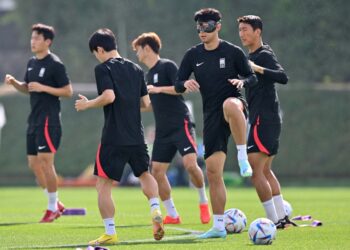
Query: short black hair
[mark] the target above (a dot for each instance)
(47, 31)
(104, 38)
(151, 39)
(204, 15)
(252, 20)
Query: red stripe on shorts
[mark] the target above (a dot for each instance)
(47, 136)
(261, 147)
(100, 171)
(189, 136)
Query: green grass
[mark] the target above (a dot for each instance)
(21, 208)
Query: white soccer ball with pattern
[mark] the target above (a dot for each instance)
(262, 231)
(235, 220)
(287, 208)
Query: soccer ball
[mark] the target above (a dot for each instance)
(235, 220)
(287, 208)
(262, 231)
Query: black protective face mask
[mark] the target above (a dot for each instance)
(208, 27)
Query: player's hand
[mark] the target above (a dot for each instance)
(237, 82)
(153, 89)
(81, 104)
(9, 79)
(36, 87)
(191, 85)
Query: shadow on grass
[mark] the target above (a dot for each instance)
(17, 223)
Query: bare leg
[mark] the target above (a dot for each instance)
(234, 116)
(271, 178)
(191, 166)
(105, 200)
(149, 185)
(217, 189)
(159, 170)
(262, 186)
(35, 166)
(46, 161)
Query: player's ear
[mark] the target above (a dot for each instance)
(100, 49)
(218, 26)
(48, 42)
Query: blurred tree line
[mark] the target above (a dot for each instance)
(309, 36)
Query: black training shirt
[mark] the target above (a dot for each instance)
(122, 117)
(262, 98)
(48, 71)
(170, 111)
(212, 69)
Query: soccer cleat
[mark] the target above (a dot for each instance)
(204, 213)
(213, 233)
(105, 239)
(60, 207)
(245, 169)
(50, 216)
(285, 223)
(158, 227)
(172, 220)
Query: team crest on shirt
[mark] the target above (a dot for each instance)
(41, 72)
(222, 63)
(155, 78)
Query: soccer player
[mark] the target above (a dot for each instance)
(174, 128)
(220, 70)
(121, 90)
(264, 117)
(45, 81)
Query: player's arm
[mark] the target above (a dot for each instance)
(169, 90)
(145, 103)
(65, 91)
(20, 86)
(182, 84)
(107, 97)
(270, 68)
(244, 70)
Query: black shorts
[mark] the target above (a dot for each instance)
(43, 139)
(216, 131)
(182, 141)
(111, 160)
(264, 137)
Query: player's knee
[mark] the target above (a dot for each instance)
(213, 175)
(232, 106)
(157, 172)
(191, 167)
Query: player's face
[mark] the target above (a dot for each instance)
(207, 32)
(140, 53)
(247, 35)
(38, 43)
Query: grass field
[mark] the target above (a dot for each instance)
(21, 208)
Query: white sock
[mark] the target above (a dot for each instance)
(154, 204)
(46, 192)
(270, 210)
(170, 208)
(219, 222)
(278, 201)
(242, 152)
(52, 205)
(109, 226)
(202, 195)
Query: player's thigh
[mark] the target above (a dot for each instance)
(139, 159)
(163, 152)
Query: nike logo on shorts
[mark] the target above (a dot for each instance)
(186, 149)
(250, 146)
(41, 147)
(199, 64)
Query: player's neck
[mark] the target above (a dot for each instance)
(111, 54)
(255, 46)
(42, 54)
(151, 60)
(212, 44)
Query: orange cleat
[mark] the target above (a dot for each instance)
(60, 207)
(172, 220)
(50, 216)
(204, 213)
